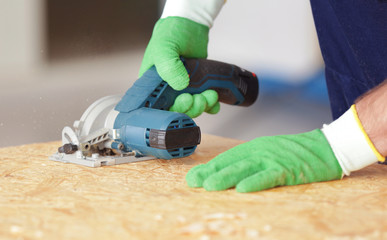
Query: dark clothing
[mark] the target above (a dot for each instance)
(353, 41)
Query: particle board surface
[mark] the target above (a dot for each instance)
(43, 199)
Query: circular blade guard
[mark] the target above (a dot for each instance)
(100, 114)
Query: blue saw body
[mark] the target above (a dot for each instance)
(140, 125)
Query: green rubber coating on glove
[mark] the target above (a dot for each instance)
(269, 162)
(182, 103)
(215, 109)
(211, 98)
(206, 101)
(198, 106)
(173, 37)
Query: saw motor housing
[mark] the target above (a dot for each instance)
(157, 133)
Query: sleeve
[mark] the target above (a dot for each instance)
(350, 143)
(200, 11)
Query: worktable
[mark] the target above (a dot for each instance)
(43, 199)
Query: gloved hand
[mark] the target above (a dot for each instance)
(195, 105)
(174, 37)
(268, 162)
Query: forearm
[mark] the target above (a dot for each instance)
(372, 112)
(358, 137)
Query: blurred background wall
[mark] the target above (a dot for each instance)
(57, 57)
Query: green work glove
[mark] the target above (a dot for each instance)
(174, 37)
(195, 105)
(268, 162)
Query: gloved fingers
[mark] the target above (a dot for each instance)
(195, 105)
(173, 37)
(211, 98)
(170, 68)
(230, 176)
(214, 110)
(182, 103)
(262, 180)
(198, 106)
(197, 175)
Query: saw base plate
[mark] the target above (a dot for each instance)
(97, 161)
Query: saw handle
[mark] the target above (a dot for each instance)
(233, 84)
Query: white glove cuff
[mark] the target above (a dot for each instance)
(349, 142)
(200, 11)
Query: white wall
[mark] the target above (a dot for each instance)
(21, 38)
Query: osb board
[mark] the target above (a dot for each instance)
(42, 199)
